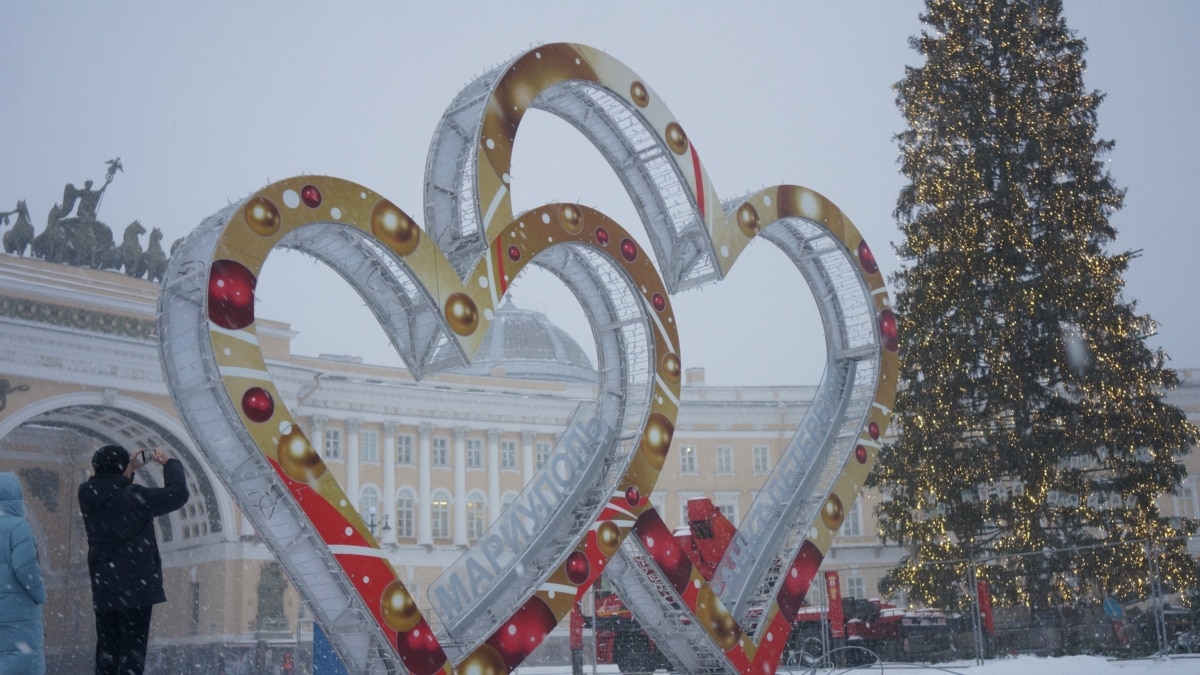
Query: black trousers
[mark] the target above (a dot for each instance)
(121, 638)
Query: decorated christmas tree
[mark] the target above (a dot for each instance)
(1034, 439)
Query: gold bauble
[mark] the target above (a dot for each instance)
(832, 513)
(642, 474)
(297, 458)
(526, 78)
(393, 227)
(399, 609)
(485, 660)
(557, 602)
(462, 314)
(671, 368)
(800, 202)
(637, 92)
(608, 538)
(570, 218)
(716, 619)
(262, 216)
(656, 439)
(747, 220)
(677, 141)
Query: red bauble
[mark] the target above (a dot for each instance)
(523, 632)
(258, 404)
(659, 302)
(799, 576)
(866, 258)
(888, 330)
(514, 253)
(577, 567)
(629, 250)
(602, 236)
(311, 196)
(860, 454)
(664, 550)
(633, 496)
(420, 651)
(873, 430)
(231, 295)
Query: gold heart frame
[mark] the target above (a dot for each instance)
(435, 308)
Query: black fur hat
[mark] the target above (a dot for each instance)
(110, 459)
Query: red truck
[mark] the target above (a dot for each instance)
(890, 632)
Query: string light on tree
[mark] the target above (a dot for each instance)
(1032, 414)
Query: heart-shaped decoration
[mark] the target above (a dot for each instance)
(434, 295)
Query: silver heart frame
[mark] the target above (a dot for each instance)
(217, 376)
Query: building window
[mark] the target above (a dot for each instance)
(816, 591)
(684, 498)
(404, 449)
(762, 459)
(856, 587)
(1186, 506)
(368, 503)
(687, 459)
(474, 453)
(541, 454)
(406, 512)
(368, 446)
(476, 518)
(727, 503)
(441, 452)
(1185, 500)
(852, 525)
(508, 454)
(333, 444)
(439, 508)
(725, 460)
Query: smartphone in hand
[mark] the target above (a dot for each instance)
(146, 456)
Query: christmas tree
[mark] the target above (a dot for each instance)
(1034, 440)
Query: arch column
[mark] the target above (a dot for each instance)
(493, 470)
(424, 486)
(389, 482)
(460, 486)
(353, 426)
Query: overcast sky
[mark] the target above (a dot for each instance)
(207, 102)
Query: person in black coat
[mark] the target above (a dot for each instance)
(123, 559)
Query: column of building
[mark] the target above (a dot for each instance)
(389, 482)
(424, 486)
(353, 426)
(460, 486)
(493, 471)
(527, 463)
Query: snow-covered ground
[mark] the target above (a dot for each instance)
(1021, 665)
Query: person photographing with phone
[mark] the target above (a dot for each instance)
(123, 560)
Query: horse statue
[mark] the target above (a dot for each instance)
(128, 254)
(54, 243)
(154, 261)
(20, 236)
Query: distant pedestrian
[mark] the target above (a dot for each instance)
(22, 591)
(123, 559)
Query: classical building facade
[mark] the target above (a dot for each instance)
(431, 464)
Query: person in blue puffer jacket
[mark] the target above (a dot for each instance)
(22, 591)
